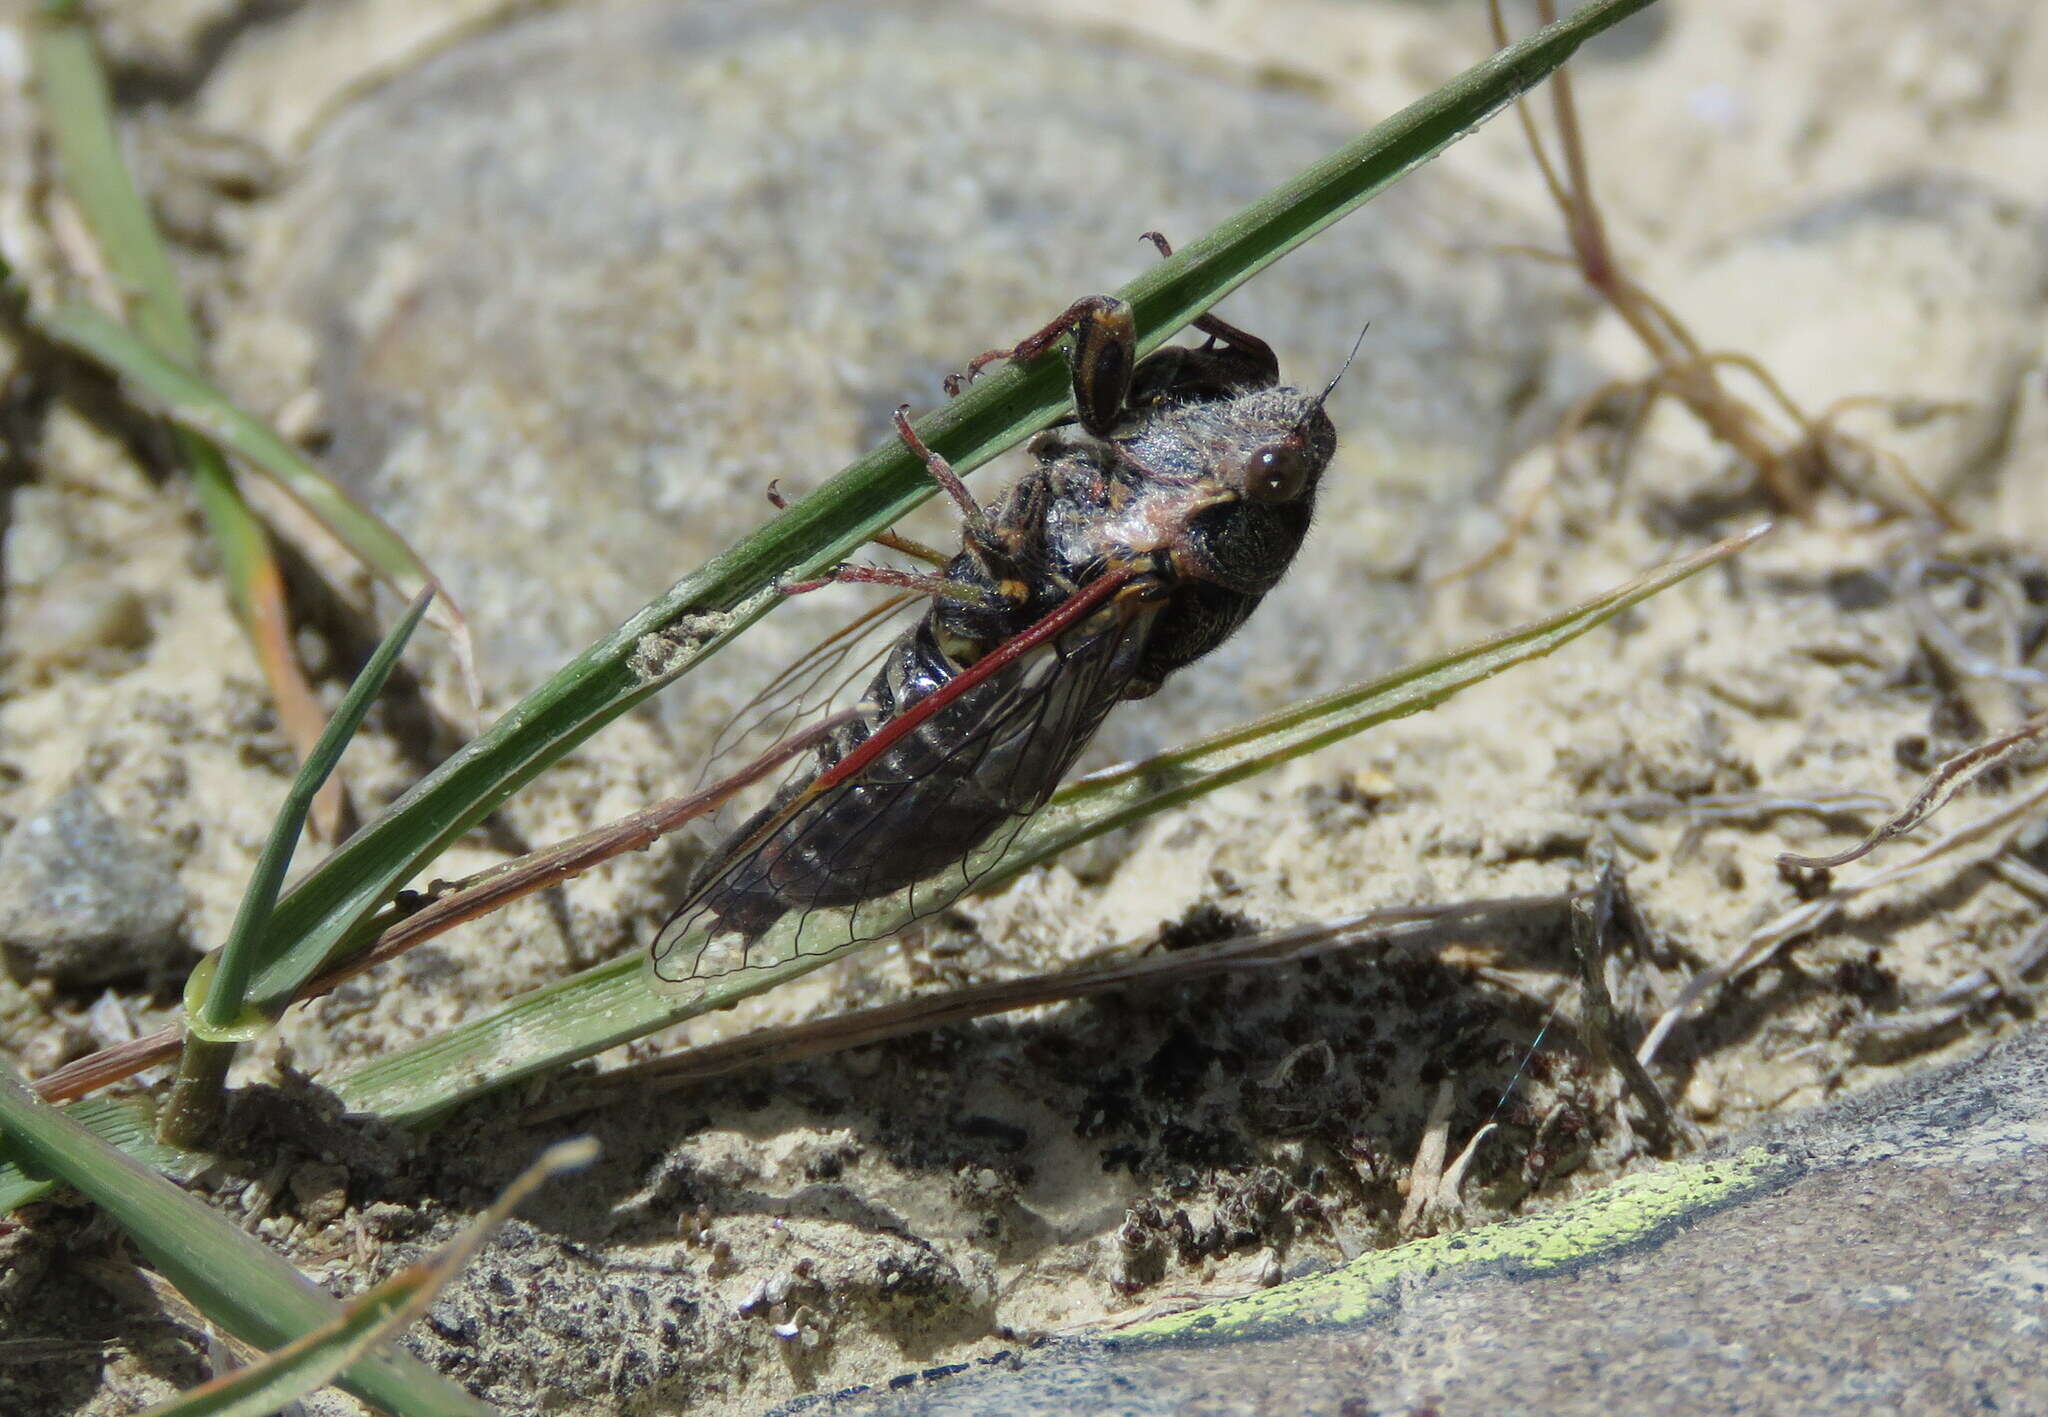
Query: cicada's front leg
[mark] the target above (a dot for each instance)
(1109, 381)
(998, 552)
(1101, 359)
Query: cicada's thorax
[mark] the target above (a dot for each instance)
(1163, 493)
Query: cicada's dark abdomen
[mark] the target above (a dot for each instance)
(985, 760)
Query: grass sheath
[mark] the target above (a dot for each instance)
(217, 1016)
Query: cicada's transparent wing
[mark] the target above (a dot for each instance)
(811, 686)
(1022, 754)
(882, 830)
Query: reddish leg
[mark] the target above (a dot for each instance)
(976, 529)
(983, 541)
(894, 541)
(1250, 345)
(1101, 360)
(1086, 310)
(918, 581)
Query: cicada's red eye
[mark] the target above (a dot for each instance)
(1277, 472)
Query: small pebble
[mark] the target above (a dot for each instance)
(1703, 1097)
(320, 1191)
(82, 902)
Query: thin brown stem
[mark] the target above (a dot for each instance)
(1683, 368)
(913, 548)
(1941, 786)
(1526, 117)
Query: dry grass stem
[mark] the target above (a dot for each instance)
(1407, 928)
(1940, 789)
(1427, 1172)
(1993, 833)
(1792, 452)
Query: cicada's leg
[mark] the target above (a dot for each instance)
(893, 540)
(1103, 355)
(912, 547)
(992, 548)
(995, 550)
(1260, 361)
(919, 581)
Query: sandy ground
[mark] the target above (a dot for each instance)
(560, 292)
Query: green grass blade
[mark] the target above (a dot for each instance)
(618, 1001)
(372, 1319)
(255, 585)
(127, 1122)
(304, 1366)
(237, 535)
(192, 403)
(219, 1012)
(228, 1274)
(80, 116)
(326, 913)
(216, 1017)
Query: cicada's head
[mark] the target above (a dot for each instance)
(1239, 476)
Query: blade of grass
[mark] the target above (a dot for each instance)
(216, 1016)
(256, 588)
(372, 1319)
(228, 1274)
(127, 1122)
(80, 115)
(326, 913)
(1396, 928)
(618, 1001)
(192, 403)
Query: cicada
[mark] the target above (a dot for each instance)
(1147, 528)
